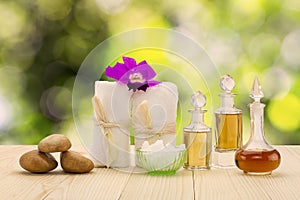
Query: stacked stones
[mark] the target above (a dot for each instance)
(41, 161)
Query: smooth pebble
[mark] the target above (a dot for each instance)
(54, 143)
(74, 162)
(37, 162)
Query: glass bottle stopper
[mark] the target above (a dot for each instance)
(198, 100)
(256, 92)
(227, 83)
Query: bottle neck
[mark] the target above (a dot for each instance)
(257, 122)
(197, 116)
(227, 100)
(227, 105)
(197, 122)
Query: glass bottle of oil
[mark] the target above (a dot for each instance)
(197, 136)
(257, 156)
(228, 126)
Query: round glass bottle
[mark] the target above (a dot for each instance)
(228, 126)
(257, 156)
(197, 136)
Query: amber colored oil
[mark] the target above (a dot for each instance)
(198, 150)
(228, 131)
(257, 161)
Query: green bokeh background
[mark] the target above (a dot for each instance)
(44, 42)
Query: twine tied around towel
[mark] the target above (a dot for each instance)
(102, 121)
(143, 124)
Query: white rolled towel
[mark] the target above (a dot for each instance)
(154, 114)
(111, 139)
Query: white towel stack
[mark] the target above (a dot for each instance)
(153, 115)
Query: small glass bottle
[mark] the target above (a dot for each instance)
(197, 136)
(257, 156)
(228, 126)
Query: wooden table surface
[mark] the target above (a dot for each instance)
(102, 183)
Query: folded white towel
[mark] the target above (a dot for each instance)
(154, 114)
(113, 151)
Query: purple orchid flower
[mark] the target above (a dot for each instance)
(135, 76)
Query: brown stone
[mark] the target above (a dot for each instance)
(37, 162)
(54, 143)
(73, 162)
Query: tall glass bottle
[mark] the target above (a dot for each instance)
(197, 136)
(228, 126)
(257, 156)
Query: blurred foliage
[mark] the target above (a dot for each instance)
(44, 42)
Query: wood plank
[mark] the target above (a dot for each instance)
(234, 184)
(16, 183)
(104, 183)
(143, 186)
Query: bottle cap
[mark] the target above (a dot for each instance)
(198, 100)
(256, 92)
(227, 83)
